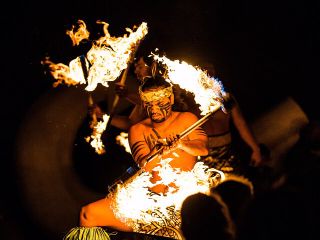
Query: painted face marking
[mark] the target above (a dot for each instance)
(158, 111)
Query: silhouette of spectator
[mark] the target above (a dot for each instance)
(206, 217)
(237, 192)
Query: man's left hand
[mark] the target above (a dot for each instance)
(256, 158)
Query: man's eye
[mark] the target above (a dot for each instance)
(163, 104)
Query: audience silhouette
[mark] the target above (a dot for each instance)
(206, 217)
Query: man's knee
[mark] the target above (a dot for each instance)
(85, 216)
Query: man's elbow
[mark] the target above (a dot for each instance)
(204, 151)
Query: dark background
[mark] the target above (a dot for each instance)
(266, 49)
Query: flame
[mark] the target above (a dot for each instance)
(122, 140)
(200, 179)
(103, 63)
(69, 75)
(208, 91)
(95, 138)
(81, 34)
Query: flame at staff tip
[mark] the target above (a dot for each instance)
(104, 62)
(122, 140)
(79, 35)
(208, 91)
(95, 137)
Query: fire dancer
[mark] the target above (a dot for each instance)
(156, 134)
(161, 128)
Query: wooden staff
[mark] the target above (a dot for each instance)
(84, 61)
(122, 82)
(93, 114)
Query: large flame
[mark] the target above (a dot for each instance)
(200, 179)
(105, 60)
(208, 91)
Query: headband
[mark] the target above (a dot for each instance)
(155, 95)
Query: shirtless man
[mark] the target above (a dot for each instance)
(160, 129)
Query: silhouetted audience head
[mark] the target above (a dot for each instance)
(206, 217)
(237, 192)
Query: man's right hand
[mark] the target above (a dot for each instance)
(169, 144)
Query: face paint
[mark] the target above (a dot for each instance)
(158, 111)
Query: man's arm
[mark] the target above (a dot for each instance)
(139, 148)
(246, 134)
(196, 142)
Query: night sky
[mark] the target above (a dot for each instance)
(265, 49)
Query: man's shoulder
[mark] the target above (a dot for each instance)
(188, 115)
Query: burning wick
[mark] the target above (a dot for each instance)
(95, 138)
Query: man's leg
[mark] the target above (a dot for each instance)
(99, 213)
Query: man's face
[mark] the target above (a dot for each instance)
(158, 111)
